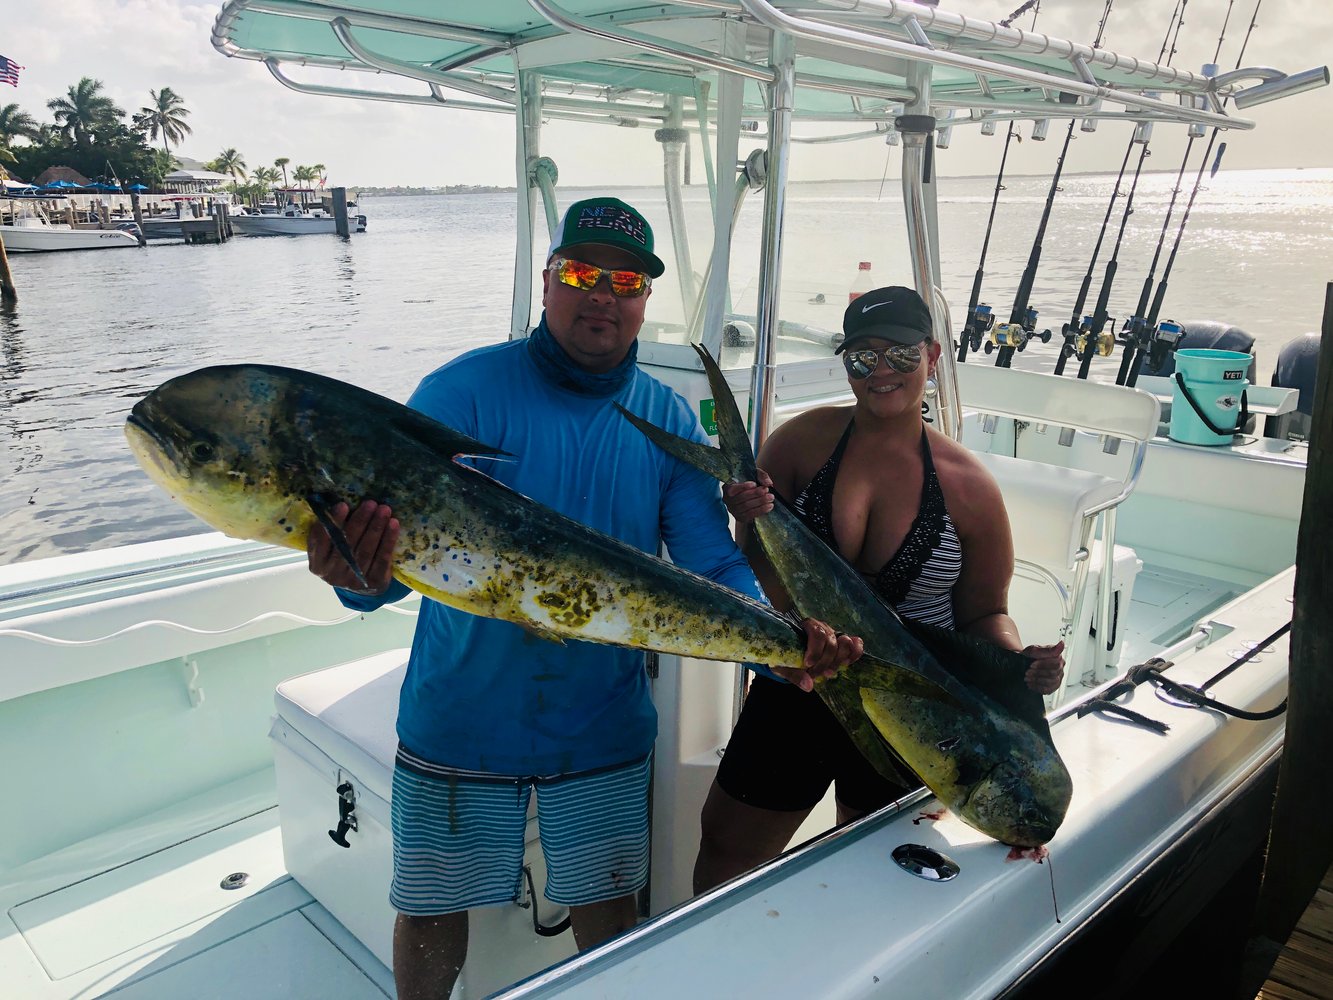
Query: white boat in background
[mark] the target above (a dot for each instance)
(293, 222)
(169, 833)
(33, 232)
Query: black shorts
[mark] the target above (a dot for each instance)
(787, 747)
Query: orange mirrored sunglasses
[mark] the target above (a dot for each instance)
(577, 274)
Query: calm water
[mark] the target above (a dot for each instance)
(432, 278)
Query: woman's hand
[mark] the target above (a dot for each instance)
(826, 652)
(747, 501)
(1047, 671)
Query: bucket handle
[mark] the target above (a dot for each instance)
(1241, 418)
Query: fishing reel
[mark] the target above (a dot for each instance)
(1163, 342)
(978, 325)
(1102, 344)
(1015, 336)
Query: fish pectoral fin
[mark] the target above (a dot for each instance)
(998, 673)
(705, 458)
(438, 437)
(878, 675)
(872, 672)
(321, 510)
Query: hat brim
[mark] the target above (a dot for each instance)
(906, 335)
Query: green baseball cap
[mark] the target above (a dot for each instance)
(607, 222)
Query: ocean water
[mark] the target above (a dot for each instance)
(432, 278)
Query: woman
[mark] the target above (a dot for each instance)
(911, 509)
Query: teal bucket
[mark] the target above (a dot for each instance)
(1209, 405)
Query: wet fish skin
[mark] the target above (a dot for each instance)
(254, 450)
(992, 763)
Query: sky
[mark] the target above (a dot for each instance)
(133, 46)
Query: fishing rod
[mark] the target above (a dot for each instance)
(1013, 336)
(1165, 337)
(1072, 329)
(979, 316)
(1094, 340)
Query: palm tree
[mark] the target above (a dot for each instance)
(281, 163)
(230, 162)
(303, 175)
(5, 157)
(167, 115)
(84, 112)
(15, 124)
(319, 169)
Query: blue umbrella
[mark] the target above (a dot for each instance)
(138, 187)
(60, 184)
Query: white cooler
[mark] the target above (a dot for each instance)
(335, 729)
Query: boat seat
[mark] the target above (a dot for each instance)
(1051, 504)
(1055, 507)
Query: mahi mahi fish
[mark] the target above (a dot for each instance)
(263, 453)
(989, 758)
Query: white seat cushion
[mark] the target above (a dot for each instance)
(1046, 504)
(350, 713)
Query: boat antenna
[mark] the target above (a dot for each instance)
(1140, 332)
(1091, 339)
(1013, 336)
(979, 316)
(1162, 342)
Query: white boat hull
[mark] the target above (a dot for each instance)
(284, 225)
(40, 239)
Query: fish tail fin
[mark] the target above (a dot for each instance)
(731, 433)
(703, 457)
(733, 462)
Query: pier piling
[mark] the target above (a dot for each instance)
(340, 212)
(8, 293)
(138, 218)
(1300, 845)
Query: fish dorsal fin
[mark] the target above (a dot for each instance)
(996, 672)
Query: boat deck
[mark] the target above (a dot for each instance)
(1304, 969)
(160, 926)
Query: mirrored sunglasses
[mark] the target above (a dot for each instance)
(902, 358)
(577, 274)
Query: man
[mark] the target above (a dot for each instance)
(912, 510)
(487, 712)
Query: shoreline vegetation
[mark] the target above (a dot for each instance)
(412, 190)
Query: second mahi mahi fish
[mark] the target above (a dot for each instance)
(989, 757)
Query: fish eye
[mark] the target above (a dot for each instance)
(201, 451)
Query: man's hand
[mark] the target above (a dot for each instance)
(826, 652)
(1047, 672)
(371, 532)
(747, 501)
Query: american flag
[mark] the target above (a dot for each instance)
(9, 71)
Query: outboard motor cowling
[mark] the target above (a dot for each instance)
(1297, 366)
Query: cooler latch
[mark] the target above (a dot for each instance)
(346, 814)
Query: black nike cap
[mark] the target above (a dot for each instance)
(896, 314)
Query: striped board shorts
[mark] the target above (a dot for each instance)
(458, 836)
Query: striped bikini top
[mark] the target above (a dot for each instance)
(919, 580)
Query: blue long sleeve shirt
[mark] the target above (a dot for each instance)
(485, 695)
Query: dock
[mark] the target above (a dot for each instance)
(1304, 968)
